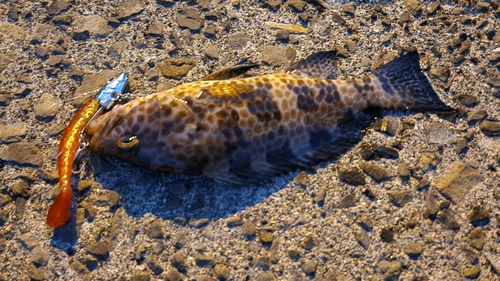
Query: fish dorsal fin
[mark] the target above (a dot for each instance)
(231, 89)
(229, 72)
(317, 65)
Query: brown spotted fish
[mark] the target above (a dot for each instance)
(243, 130)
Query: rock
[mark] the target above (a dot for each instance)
(57, 6)
(266, 237)
(477, 238)
(179, 262)
(438, 133)
(154, 230)
(494, 261)
(468, 100)
(337, 18)
(234, 221)
(39, 256)
(28, 241)
(387, 235)
(352, 175)
(248, 228)
(277, 55)
(347, 201)
(12, 31)
(237, 41)
(403, 169)
(129, 8)
(93, 25)
(349, 7)
(490, 128)
(222, 272)
(152, 74)
(13, 132)
(319, 198)
(377, 172)
(153, 264)
(433, 7)
(113, 198)
(155, 28)
(23, 153)
(189, 17)
(20, 208)
(20, 188)
(261, 262)
(46, 107)
(447, 219)
(40, 33)
(294, 254)
(301, 179)
(213, 51)
(460, 145)
(78, 267)
(309, 268)
(390, 269)
(457, 181)
(308, 243)
(476, 115)
(91, 83)
(24, 78)
(35, 273)
(5, 60)
(99, 249)
(201, 222)
(388, 124)
(298, 5)
(472, 272)
(176, 68)
(116, 49)
(414, 250)
(413, 6)
(470, 255)
(425, 162)
(442, 74)
(432, 203)
(400, 197)
(4, 199)
(478, 215)
(266, 276)
(144, 277)
(362, 237)
(204, 260)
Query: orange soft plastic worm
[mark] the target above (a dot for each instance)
(70, 141)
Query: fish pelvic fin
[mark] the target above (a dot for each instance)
(405, 87)
(317, 65)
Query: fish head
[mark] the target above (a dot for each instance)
(143, 132)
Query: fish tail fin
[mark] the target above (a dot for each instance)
(406, 87)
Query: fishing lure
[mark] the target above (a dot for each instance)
(242, 130)
(72, 143)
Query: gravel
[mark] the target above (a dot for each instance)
(416, 199)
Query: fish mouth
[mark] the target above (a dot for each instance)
(96, 132)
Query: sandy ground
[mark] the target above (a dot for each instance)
(417, 199)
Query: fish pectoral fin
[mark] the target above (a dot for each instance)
(230, 72)
(317, 65)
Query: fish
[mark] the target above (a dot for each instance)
(242, 130)
(70, 145)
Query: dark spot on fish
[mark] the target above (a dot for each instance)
(385, 85)
(305, 99)
(141, 118)
(235, 115)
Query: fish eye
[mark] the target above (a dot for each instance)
(128, 143)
